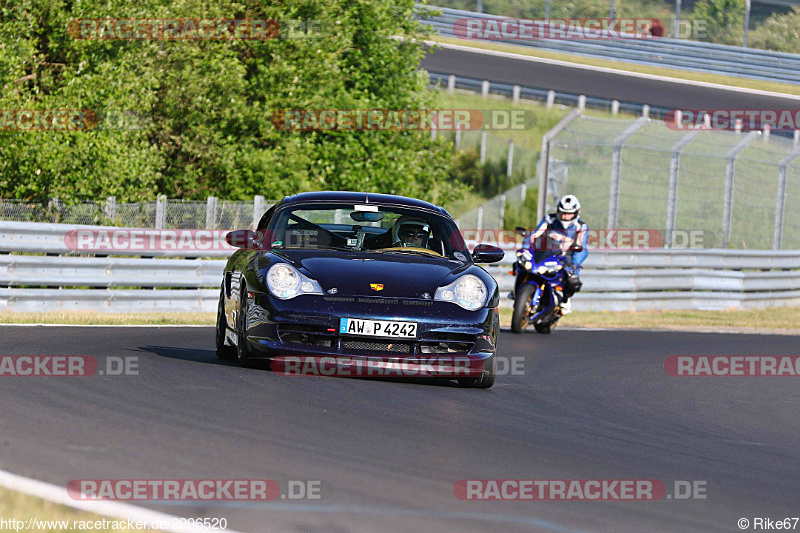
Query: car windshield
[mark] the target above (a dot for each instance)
(367, 228)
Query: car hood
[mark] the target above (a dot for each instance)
(374, 274)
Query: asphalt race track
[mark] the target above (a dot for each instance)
(566, 79)
(590, 405)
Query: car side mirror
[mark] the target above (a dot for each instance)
(521, 230)
(243, 238)
(486, 253)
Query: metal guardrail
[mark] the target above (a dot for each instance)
(548, 96)
(35, 237)
(108, 301)
(613, 280)
(48, 271)
(661, 52)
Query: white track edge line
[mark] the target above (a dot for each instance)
(112, 325)
(59, 495)
(609, 70)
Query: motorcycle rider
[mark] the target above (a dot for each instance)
(566, 227)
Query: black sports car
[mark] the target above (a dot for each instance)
(360, 277)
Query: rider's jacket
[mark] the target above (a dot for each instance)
(574, 229)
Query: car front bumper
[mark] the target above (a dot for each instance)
(309, 325)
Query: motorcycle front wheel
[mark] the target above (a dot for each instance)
(522, 308)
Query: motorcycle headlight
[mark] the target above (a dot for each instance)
(285, 282)
(468, 292)
(548, 269)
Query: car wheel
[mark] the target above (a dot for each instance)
(521, 317)
(485, 380)
(224, 352)
(242, 348)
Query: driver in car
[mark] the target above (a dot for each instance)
(410, 231)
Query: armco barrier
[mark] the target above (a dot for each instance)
(614, 280)
(676, 53)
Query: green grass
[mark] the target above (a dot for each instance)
(95, 318)
(21, 507)
(784, 318)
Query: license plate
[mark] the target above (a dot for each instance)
(378, 328)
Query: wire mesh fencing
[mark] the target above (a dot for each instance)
(737, 190)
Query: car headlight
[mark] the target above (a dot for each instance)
(468, 292)
(285, 282)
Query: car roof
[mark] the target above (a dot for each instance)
(361, 198)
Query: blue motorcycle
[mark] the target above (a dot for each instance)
(538, 289)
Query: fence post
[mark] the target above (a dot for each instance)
(551, 98)
(515, 94)
(485, 88)
(780, 204)
(730, 169)
(544, 159)
(110, 209)
(645, 110)
(614, 107)
(451, 83)
(161, 211)
(483, 146)
(54, 208)
(582, 102)
(480, 218)
(510, 162)
(258, 209)
(523, 192)
(672, 197)
(458, 139)
(796, 137)
(616, 167)
(433, 133)
(502, 212)
(211, 212)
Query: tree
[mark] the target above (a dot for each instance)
(207, 104)
(779, 33)
(724, 20)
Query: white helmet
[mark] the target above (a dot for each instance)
(569, 208)
(411, 231)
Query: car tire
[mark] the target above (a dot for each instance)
(485, 380)
(224, 352)
(520, 318)
(242, 347)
